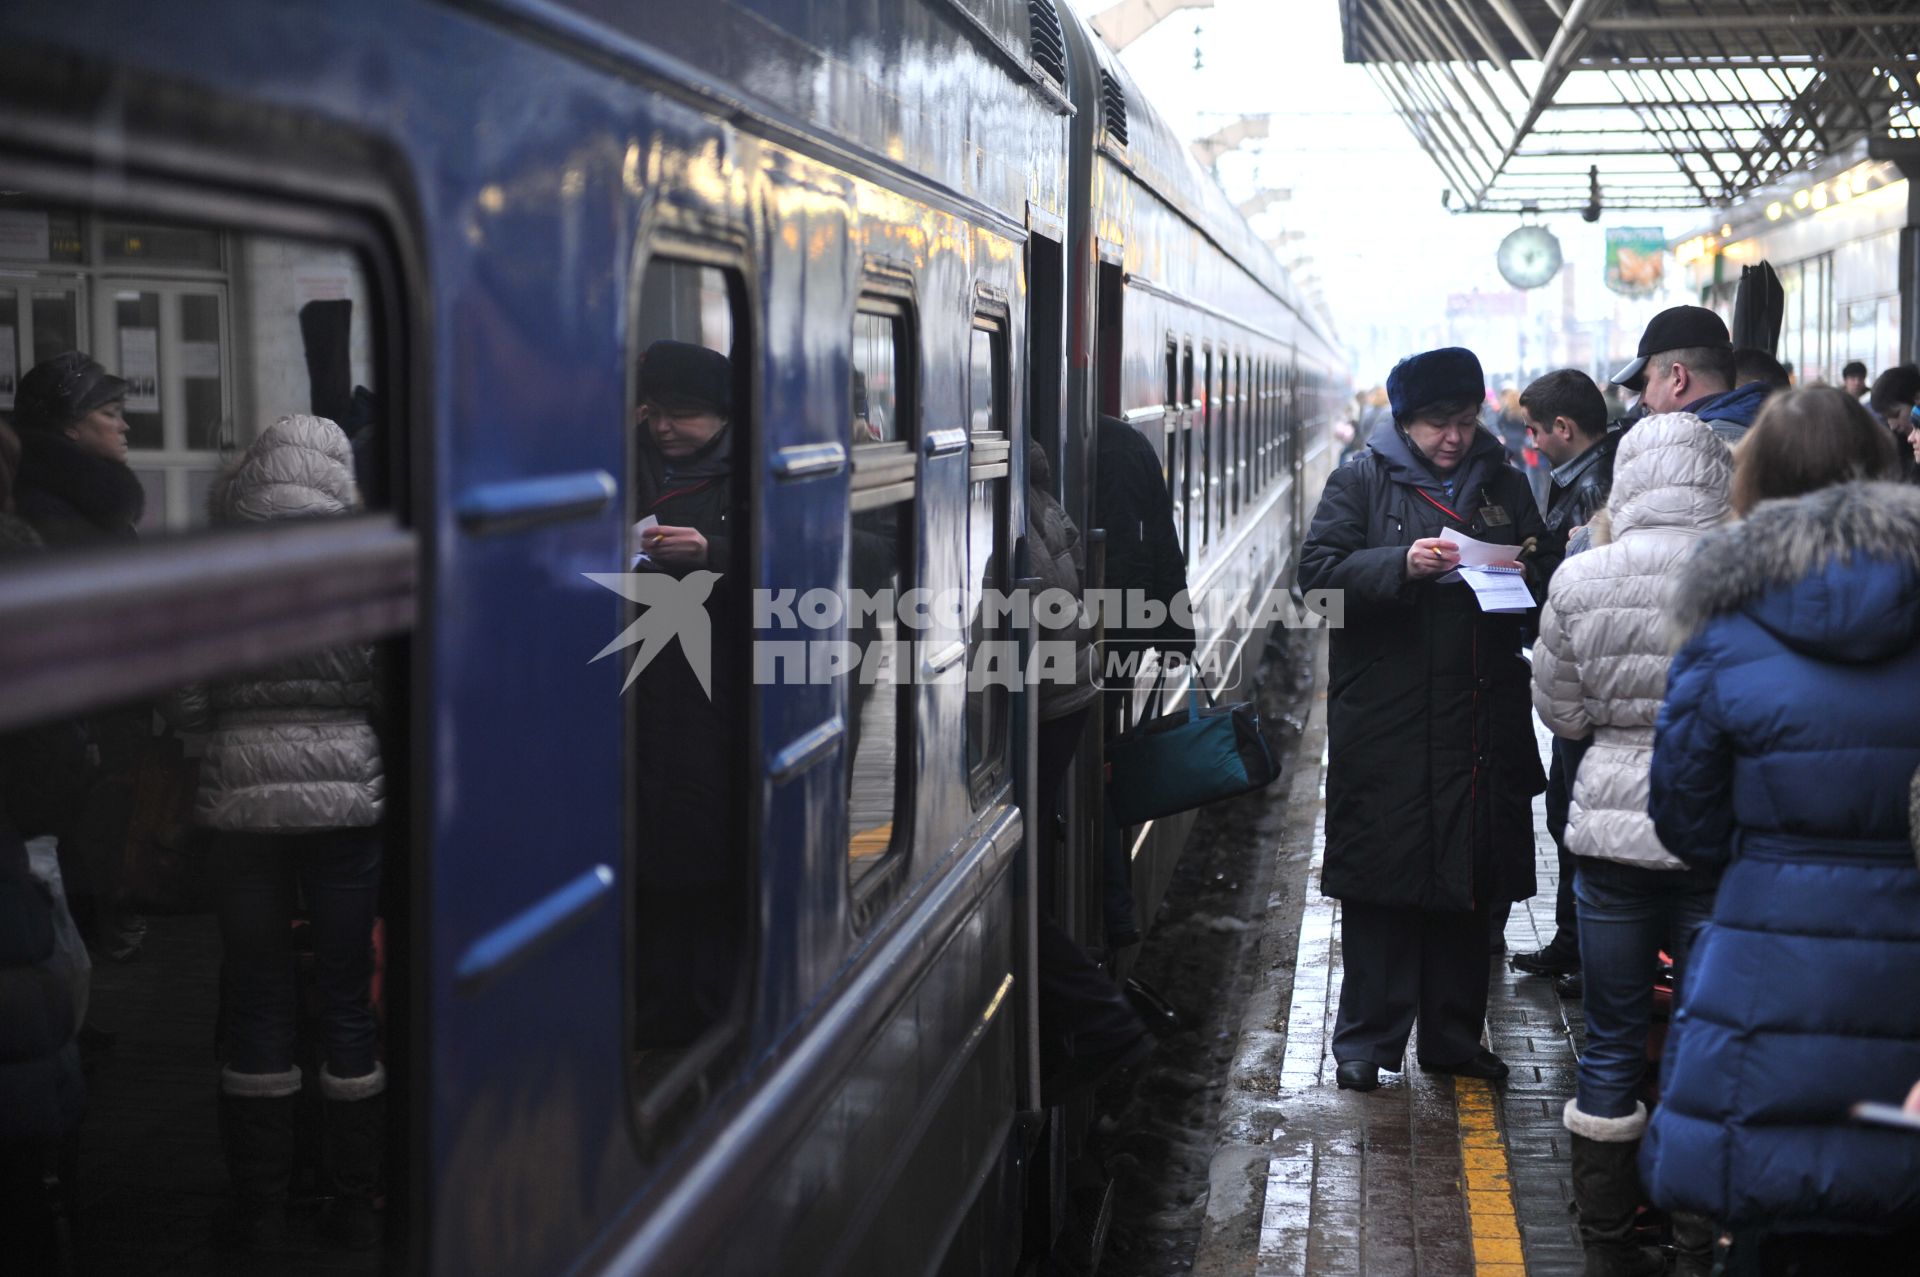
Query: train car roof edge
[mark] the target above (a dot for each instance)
(1157, 158)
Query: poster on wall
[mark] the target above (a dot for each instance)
(140, 365)
(1636, 259)
(9, 369)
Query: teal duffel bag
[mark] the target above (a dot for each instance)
(1187, 759)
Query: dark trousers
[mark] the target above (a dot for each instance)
(337, 872)
(1559, 799)
(1407, 964)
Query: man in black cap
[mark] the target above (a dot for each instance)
(1432, 762)
(1685, 364)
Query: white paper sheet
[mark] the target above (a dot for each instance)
(1498, 589)
(1477, 553)
(640, 556)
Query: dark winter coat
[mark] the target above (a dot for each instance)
(1143, 547)
(1054, 544)
(1784, 752)
(690, 881)
(686, 746)
(44, 776)
(692, 492)
(1732, 412)
(72, 496)
(1432, 762)
(1580, 489)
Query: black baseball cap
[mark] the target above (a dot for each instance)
(679, 374)
(1676, 328)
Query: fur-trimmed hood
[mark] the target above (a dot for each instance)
(1834, 573)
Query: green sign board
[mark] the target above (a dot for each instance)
(1636, 259)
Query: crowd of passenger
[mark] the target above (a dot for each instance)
(1725, 649)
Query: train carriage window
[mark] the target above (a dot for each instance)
(1242, 406)
(1186, 451)
(1175, 472)
(880, 562)
(988, 702)
(1266, 423)
(204, 781)
(1204, 495)
(1217, 456)
(692, 867)
(1259, 480)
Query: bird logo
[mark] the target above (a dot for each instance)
(675, 608)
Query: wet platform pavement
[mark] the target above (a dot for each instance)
(1427, 1175)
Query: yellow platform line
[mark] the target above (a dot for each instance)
(1483, 1158)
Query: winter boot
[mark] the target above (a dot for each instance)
(256, 1130)
(1606, 1189)
(352, 1139)
(1693, 1239)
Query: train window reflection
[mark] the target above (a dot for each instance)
(218, 862)
(182, 344)
(880, 565)
(692, 868)
(218, 867)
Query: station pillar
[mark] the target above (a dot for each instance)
(1906, 156)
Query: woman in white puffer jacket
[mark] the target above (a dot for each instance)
(1600, 669)
(292, 789)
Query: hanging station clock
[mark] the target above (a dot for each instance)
(1529, 257)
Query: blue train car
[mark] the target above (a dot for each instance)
(923, 233)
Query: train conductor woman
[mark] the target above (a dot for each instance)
(1432, 763)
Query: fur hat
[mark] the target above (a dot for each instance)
(1449, 374)
(679, 374)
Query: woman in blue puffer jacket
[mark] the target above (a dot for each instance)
(1783, 752)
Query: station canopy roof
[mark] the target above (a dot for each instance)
(1678, 104)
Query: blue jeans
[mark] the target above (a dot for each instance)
(337, 872)
(1627, 915)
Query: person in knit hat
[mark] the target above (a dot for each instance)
(1432, 763)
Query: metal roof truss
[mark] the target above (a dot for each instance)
(1678, 104)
